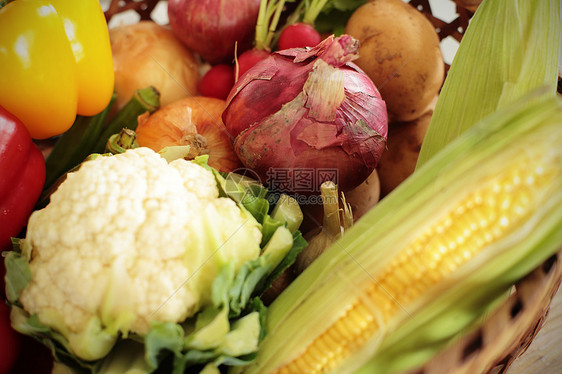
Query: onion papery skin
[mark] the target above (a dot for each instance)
(308, 109)
(181, 122)
(212, 28)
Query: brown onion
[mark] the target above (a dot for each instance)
(308, 110)
(194, 121)
(148, 54)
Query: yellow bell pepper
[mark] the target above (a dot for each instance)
(86, 29)
(56, 63)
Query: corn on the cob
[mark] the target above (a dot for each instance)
(403, 282)
(484, 216)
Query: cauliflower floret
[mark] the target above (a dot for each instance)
(129, 239)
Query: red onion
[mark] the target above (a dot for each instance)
(211, 28)
(308, 110)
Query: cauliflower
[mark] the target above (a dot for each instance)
(127, 240)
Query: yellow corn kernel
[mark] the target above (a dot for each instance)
(483, 216)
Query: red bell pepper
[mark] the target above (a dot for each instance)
(22, 176)
(10, 341)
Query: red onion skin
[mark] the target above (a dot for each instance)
(267, 114)
(211, 28)
(265, 99)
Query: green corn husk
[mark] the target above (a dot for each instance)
(510, 48)
(520, 140)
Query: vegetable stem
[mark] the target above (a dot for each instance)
(74, 145)
(143, 100)
(274, 22)
(261, 28)
(268, 19)
(295, 16)
(87, 135)
(270, 13)
(119, 143)
(332, 224)
(347, 214)
(313, 10)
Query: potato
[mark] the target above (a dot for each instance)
(363, 197)
(403, 147)
(400, 51)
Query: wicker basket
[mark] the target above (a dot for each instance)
(510, 329)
